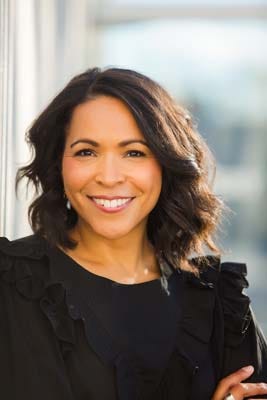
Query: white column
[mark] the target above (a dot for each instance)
(7, 23)
(43, 44)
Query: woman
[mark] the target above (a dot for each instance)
(103, 301)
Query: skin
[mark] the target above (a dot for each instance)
(112, 245)
(233, 384)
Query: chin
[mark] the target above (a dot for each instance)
(112, 235)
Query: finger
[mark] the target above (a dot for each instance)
(231, 380)
(248, 389)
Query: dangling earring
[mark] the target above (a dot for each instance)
(68, 205)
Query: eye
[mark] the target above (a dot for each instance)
(84, 153)
(137, 153)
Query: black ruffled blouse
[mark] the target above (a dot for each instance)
(68, 334)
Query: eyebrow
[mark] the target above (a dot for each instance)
(120, 144)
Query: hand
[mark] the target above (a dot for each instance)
(233, 384)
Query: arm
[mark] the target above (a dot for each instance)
(251, 351)
(244, 342)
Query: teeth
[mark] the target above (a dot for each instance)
(111, 203)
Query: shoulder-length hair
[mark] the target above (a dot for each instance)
(187, 214)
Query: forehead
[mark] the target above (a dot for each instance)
(104, 116)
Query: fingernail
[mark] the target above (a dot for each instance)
(249, 368)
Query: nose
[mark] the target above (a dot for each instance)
(109, 171)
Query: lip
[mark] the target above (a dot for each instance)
(111, 197)
(114, 209)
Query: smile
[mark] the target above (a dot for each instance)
(111, 206)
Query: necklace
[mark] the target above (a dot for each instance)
(155, 268)
(133, 279)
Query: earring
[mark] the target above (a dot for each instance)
(68, 205)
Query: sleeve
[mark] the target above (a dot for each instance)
(244, 341)
(31, 365)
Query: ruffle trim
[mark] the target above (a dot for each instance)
(24, 264)
(236, 304)
(18, 266)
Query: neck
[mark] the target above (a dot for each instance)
(130, 257)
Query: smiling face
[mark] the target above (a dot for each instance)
(106, 157)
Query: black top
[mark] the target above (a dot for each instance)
(67, 333)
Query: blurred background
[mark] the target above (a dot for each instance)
(210, 55)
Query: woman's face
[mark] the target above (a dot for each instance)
(102, 160)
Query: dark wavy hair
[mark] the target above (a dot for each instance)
(187, 214)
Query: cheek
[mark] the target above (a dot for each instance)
(151, 177)
(74, 174)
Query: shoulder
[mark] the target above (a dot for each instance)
(228, 278)
(226, 281)
(235, 302)
(32, 246)
(22, 264)
(25, 274)
(223, 274)
(213, 307)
